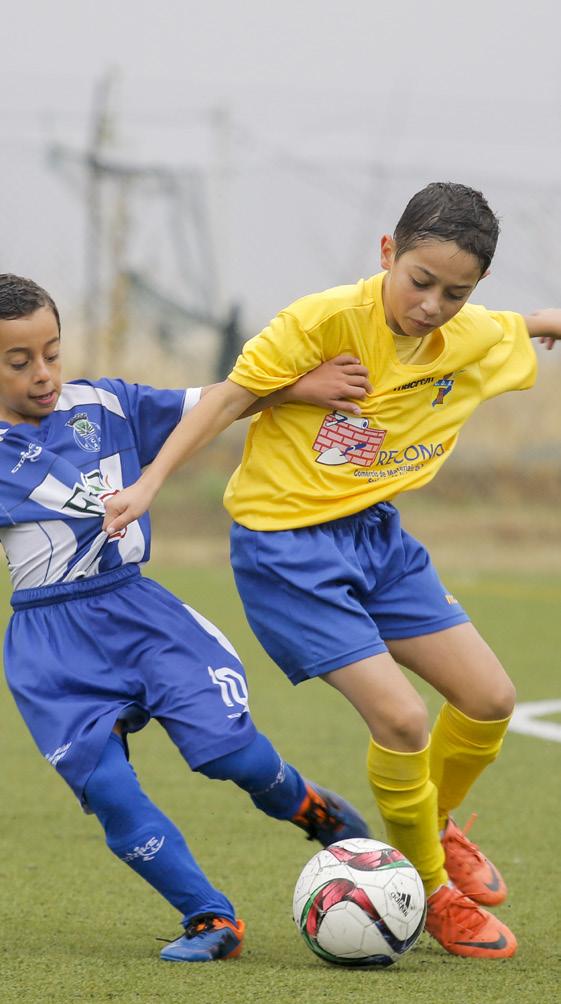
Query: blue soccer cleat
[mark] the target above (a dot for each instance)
(327, 817)
(207, 938)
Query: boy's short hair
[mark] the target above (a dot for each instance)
(446, 211)
(21, 297)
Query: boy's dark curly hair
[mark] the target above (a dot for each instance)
(446, 211)
(20, 297)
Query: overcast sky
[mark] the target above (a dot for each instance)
(475, 50)
(325, 117)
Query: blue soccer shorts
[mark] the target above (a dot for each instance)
(82, 655)
(322, 597)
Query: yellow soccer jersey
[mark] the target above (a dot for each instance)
(303, 466)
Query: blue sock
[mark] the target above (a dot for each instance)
(138, 833)
(274, 786)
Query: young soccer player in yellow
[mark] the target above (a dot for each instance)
(331, 584)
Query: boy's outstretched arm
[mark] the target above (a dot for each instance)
(334, 384)
(221, 406)
(338, 383)
(546, 325)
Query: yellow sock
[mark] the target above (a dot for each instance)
(407, 800)
(461, 748)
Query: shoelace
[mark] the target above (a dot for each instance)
(461, 837)
(203, 922)
(469, 824)
(477, 918)
(198, 924)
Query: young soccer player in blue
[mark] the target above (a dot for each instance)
(332, 586)
(94, 649)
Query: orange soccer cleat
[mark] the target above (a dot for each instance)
(463, 928)
(469, 869)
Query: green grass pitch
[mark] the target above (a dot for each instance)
(77, 925)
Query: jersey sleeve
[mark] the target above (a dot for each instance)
(24, 464)
(511, 364)
(152, 413)
(278, 356)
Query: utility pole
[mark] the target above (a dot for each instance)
(220, 181)
(114, 332)
(102, 129)
(198, 233)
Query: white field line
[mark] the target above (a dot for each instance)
(528, 720)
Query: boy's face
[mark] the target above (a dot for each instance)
(30, 371)
(427, 286)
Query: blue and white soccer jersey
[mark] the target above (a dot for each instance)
(91, 641)
(55, 476)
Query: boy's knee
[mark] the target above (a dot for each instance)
(110, 779)
(406, 727)
(101, 794)
(250, 767)
(500, 702)
(495, 704)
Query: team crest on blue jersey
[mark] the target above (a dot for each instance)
(443, 387)
(87, 434)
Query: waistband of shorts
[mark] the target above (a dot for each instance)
(62, 592)
(377, 513)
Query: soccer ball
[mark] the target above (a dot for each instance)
(359, 902)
